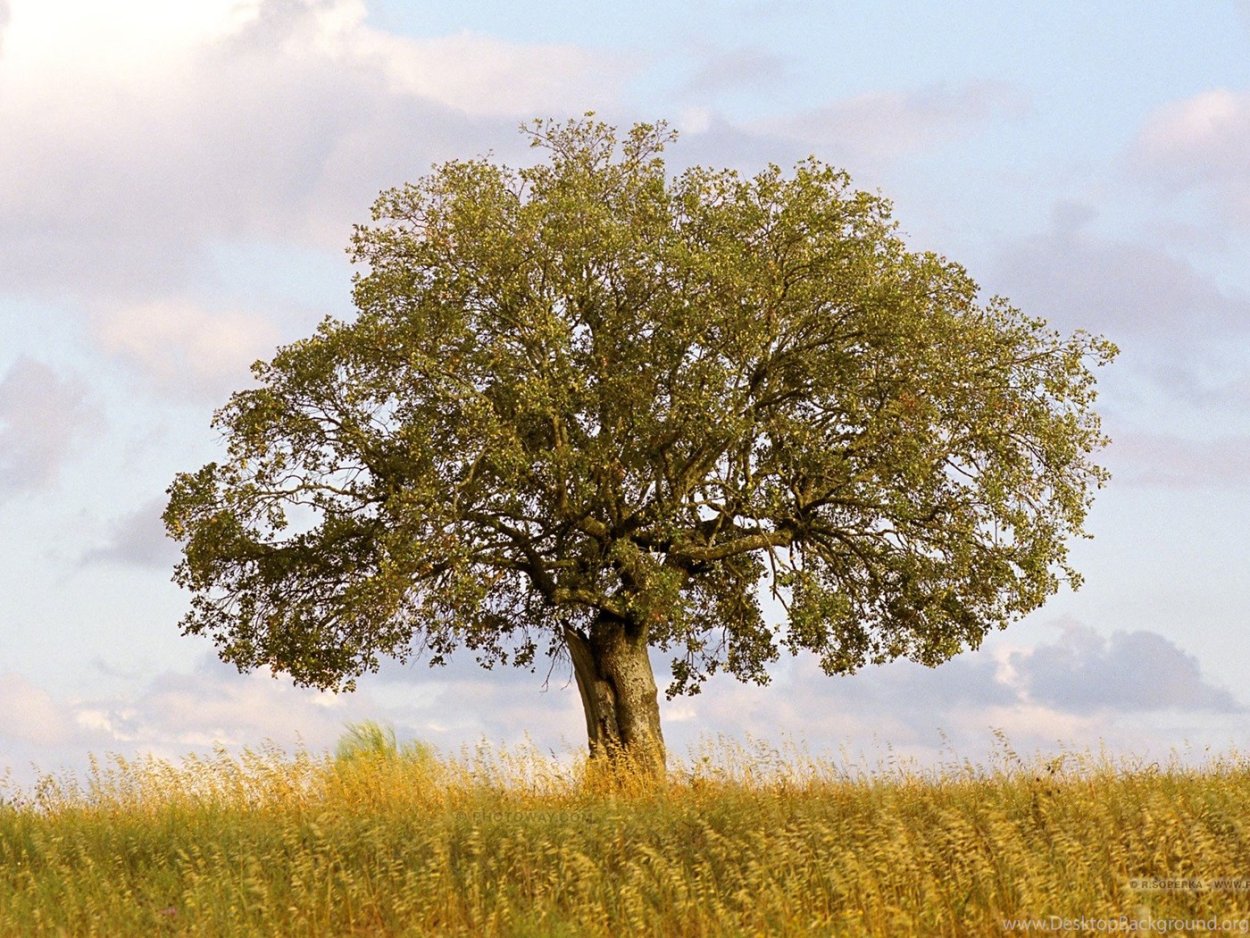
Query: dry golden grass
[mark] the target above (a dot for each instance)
(739, 842)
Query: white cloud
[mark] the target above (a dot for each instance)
(462, 701)
(487, 77)
(1077, 691)
(172, 713)
(1182, 374)
(1130, 671)
(41, 416)
(168, 716)
(142, 43)
(1200, 144)
(57, 39)
(1126, 289)
(30, 714)
(877, 127)
(185, 349)
(136, 137)
(481, 75)
(214, 706)
(138, 538)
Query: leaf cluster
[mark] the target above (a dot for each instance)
(589, 387)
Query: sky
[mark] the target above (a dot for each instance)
(178, 183)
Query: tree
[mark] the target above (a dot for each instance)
(590, 408)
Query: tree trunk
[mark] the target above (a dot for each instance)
(614, 677)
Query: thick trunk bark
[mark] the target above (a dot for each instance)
(614, 677)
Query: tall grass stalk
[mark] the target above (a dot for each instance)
(384, 840)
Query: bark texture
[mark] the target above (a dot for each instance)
(617, 686)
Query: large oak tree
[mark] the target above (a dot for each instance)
(589, 407)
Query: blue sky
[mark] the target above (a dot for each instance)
(177, 187)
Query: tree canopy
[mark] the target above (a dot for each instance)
(592, 407)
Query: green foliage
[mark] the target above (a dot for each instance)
(590, 389)
(369, 740)
(740, 842)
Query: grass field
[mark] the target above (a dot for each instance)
(380, 841)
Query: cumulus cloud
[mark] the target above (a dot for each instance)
(215, 705)
(173, 713)
(137, 137)
(487, 77)
(1200, 144)
(464, 701)
(900, 703)
(1181, 333)
(1040, 696)
(1138, 670)
(874, 128)
(1079, 690)
(1077, 279)
(30, 714)
(901, 709)
(41, 416)
(185, 349)
(138, 539)
(169, 715)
